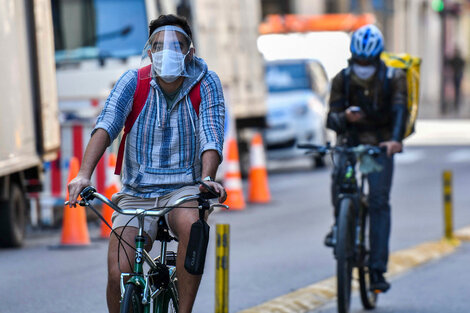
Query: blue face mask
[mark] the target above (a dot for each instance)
(168, 64)
(363, 72)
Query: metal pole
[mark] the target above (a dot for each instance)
(443, 58)
(222, 267)
(447, 188)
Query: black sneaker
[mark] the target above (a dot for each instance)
(378, 282)
(329, 240)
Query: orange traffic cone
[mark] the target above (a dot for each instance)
(233, 179)
(74, 225)
(112, 186)
(258, 176)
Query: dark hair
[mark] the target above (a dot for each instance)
(170, 19)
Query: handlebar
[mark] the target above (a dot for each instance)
(90, 193)
(360, 149)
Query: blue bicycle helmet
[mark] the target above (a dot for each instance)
(367, 42)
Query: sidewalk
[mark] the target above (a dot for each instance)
(440, 132)
(436, 287)
(431, 284)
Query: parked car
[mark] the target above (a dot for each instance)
(297, 107)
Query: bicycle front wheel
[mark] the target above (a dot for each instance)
(168, 301)
(344, 254)
(132, 300)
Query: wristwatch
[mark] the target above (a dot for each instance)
(207, 178)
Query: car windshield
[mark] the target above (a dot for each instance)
(287, 77)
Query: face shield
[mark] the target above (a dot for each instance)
(170, 54)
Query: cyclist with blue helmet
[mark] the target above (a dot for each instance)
(368, 105)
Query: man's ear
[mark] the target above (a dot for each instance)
(150, 55)
(192, 51)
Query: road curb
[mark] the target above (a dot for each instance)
(463, 234)
(316, 295)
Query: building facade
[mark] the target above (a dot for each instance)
(412, 26)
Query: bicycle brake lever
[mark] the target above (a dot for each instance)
(81, 203)
(220, 205)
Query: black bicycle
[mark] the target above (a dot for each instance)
(351, 232)
(153, 290)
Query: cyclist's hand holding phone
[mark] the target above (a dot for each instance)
(354, 114)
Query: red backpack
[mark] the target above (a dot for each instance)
(140, 96)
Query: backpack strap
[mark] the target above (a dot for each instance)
(352, 137)
(389, 72)
(195, 96)
(140, 97)
(346, 83)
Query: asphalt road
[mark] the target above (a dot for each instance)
(275, 248)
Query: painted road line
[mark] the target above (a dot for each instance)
(316, 295)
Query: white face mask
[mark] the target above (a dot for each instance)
(168, 64)
(363, 72)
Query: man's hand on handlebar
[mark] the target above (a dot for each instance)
(75, 186)
(392, 147)
(216, 187)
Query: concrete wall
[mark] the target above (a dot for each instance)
(416, 30)
(308, 7)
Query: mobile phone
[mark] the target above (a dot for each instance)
(355, 109)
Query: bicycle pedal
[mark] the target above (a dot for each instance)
(377, 291)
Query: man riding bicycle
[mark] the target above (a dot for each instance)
(175, 141)
(368, 106)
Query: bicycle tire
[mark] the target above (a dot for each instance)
(368, 297)
(344, 254)
(132, 300)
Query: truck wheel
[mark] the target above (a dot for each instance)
(13, 218)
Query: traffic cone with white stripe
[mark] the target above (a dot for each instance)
(258, 176)
(113, 185)
(233, 179)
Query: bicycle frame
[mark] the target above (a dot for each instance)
(141, 255)
(138, 278)
(167, 289)
(349, 188)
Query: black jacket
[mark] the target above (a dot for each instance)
(383, 101)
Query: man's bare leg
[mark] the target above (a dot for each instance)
(180, 221)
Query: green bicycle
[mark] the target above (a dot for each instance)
(157, 287)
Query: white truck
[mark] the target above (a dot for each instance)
(29, 125)
(98, 40)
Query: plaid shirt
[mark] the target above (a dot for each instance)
(164, 148)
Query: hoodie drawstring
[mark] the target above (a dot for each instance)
(190, 115)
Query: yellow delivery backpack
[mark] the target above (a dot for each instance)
(410, 64)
